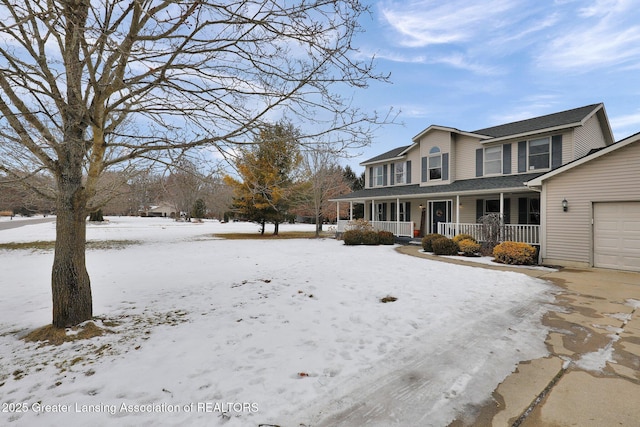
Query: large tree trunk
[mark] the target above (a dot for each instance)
(70, 283)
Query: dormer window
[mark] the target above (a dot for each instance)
(435, 163)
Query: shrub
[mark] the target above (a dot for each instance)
(444, 246)
(515, 253)
(426, 241)
(460, 237)
(468, 247)
(370, 238)
(353, 237)
(386, 238)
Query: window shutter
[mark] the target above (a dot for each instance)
(522, 210)
(556, 151)
(445, 166)
(384, 175)
(384, 209)
(407, 211)
(392, 178)
(506, 159)
(424, 169)
(393, 212)
(408, 172)
(507, 211)
(479, 161)
(479, 208)
(371, 177)
(522, 156)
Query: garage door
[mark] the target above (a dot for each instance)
(616, 235)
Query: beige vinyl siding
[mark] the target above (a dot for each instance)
(568, 141)
(588, 137)
(435, 138)
(465, 160)
(414, 156)
(612, 177)
(442, 140)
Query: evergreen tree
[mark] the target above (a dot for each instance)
(267, 171)
(199, 209)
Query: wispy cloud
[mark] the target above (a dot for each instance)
(429, 22)
(457, 60)
(605, 33)
(627, 121)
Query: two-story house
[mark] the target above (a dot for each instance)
(448, 178)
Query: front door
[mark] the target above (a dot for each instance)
(438, 214)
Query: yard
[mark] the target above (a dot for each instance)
(206, 330)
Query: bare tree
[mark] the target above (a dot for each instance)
(325, 179)
(183, 186)
(94, 85)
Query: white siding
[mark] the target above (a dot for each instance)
(613, 177)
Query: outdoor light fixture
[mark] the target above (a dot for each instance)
(565, 205)
(421, 207)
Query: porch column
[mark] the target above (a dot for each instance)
(397, 216)
(501, 208)
(350, 211)
(337, 212)
(373, 204)
(457, 214)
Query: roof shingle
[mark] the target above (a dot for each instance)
(539, 123)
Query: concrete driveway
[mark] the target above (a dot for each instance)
(592, 374)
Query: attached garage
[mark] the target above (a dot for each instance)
(616, 235)
(590, 209)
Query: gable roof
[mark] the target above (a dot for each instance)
(391, 154)
(446, 129)
(550, 122)
(562, 119)
(537, 182)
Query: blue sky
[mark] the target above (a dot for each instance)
(473, 64)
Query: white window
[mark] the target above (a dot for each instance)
(539, 153)
(435, 163)
(399, 173)
(493, 160)
(378, 176)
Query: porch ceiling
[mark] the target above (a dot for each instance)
(478, 186)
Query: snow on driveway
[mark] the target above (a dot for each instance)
(210, 331)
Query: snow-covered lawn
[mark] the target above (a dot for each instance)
(209, 331)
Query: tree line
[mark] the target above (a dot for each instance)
(90, 88)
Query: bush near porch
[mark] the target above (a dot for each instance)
(428, 239)
(468, 247)
(368, 237)
(515, 253)
(444, 246)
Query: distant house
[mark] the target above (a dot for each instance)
(163, 209)
(448, 178)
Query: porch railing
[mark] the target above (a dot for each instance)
(398, 228)
(525, 233)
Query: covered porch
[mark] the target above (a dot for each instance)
(449, 209)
